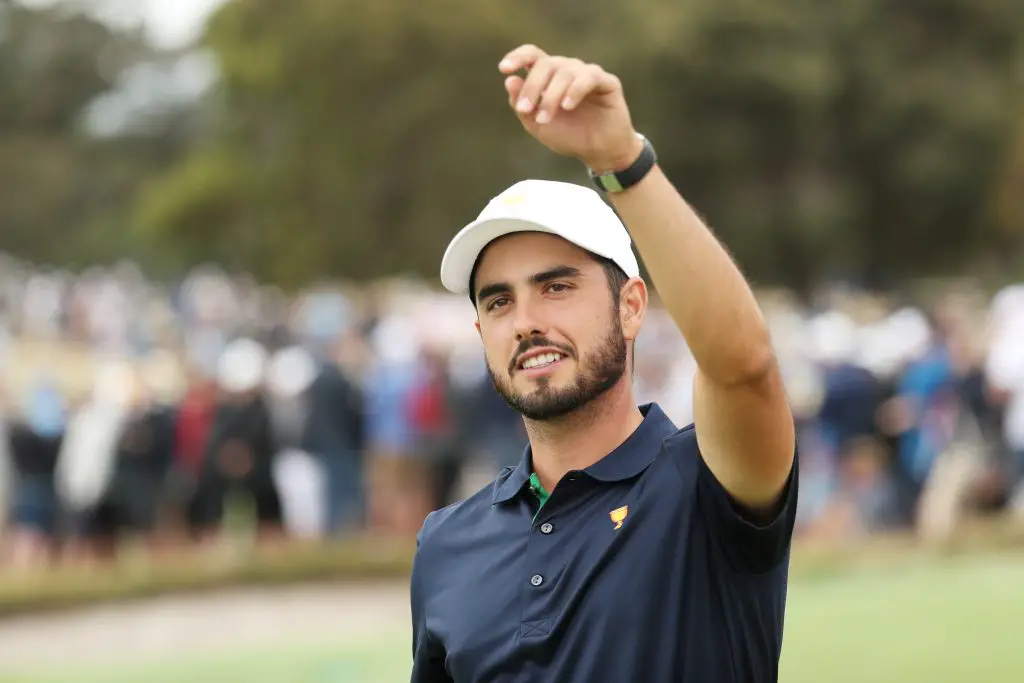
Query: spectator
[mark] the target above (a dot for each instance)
(35, 444)
(240, 450)
(87, 457)
(388, 430)
(299, 473)
(396, 489)
(193, 421)
(335, 432)
(143, 453)
(1005, 375)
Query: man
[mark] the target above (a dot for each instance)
(241, 446)
(621, 548)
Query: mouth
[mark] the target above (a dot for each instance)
(539, 363)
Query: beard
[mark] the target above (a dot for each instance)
(596, 373)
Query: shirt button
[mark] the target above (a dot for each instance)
(546, 528)
(537, 580)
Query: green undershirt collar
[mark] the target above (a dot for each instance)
(540, 492)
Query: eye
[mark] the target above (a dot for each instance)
(496, 303)
(558, 287)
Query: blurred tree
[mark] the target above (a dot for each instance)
(63, 193)
(1008, 196)
(860, 137)
(855, 138)
(370, 130)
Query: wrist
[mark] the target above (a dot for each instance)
(617, 160)
(628, 167)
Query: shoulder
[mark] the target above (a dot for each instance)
(680, 447)
(450, 521)
(434, 522)
(682, 440)
(752, 544)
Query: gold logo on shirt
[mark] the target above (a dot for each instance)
(619, 516)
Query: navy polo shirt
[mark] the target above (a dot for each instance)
(638, 569)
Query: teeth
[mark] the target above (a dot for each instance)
(541, 361)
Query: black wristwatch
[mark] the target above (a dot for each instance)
(617, 181)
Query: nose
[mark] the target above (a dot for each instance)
(528, 322)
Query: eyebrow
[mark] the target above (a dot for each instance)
(556, 273)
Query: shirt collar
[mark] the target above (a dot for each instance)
(628, 460)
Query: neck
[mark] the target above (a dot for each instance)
(581, 438)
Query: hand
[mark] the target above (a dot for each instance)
(574, 109)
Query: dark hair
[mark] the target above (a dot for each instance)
(616, 277)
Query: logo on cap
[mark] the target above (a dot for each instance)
(513, 199)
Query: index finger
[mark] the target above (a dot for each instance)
(523, 57)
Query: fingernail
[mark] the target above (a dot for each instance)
(505, 64)
(567, 103)
(543, 117)
(524, 105)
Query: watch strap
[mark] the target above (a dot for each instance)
(617, 181)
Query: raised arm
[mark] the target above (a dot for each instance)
(741, 412)
(743, 421)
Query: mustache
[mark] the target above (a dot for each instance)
(533, 343)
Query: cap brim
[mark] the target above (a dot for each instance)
(465, 248)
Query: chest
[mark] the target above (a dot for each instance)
(591, 561)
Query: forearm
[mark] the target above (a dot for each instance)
(701, 287)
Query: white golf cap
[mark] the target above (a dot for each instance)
(573, 212)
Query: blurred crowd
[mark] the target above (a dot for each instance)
(165, 414)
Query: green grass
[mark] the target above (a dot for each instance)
(363, 662)
(957, 621)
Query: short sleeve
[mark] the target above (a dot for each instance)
(750, 548)
(428, 656)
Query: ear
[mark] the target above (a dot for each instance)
(476, 324)
(632, 307)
